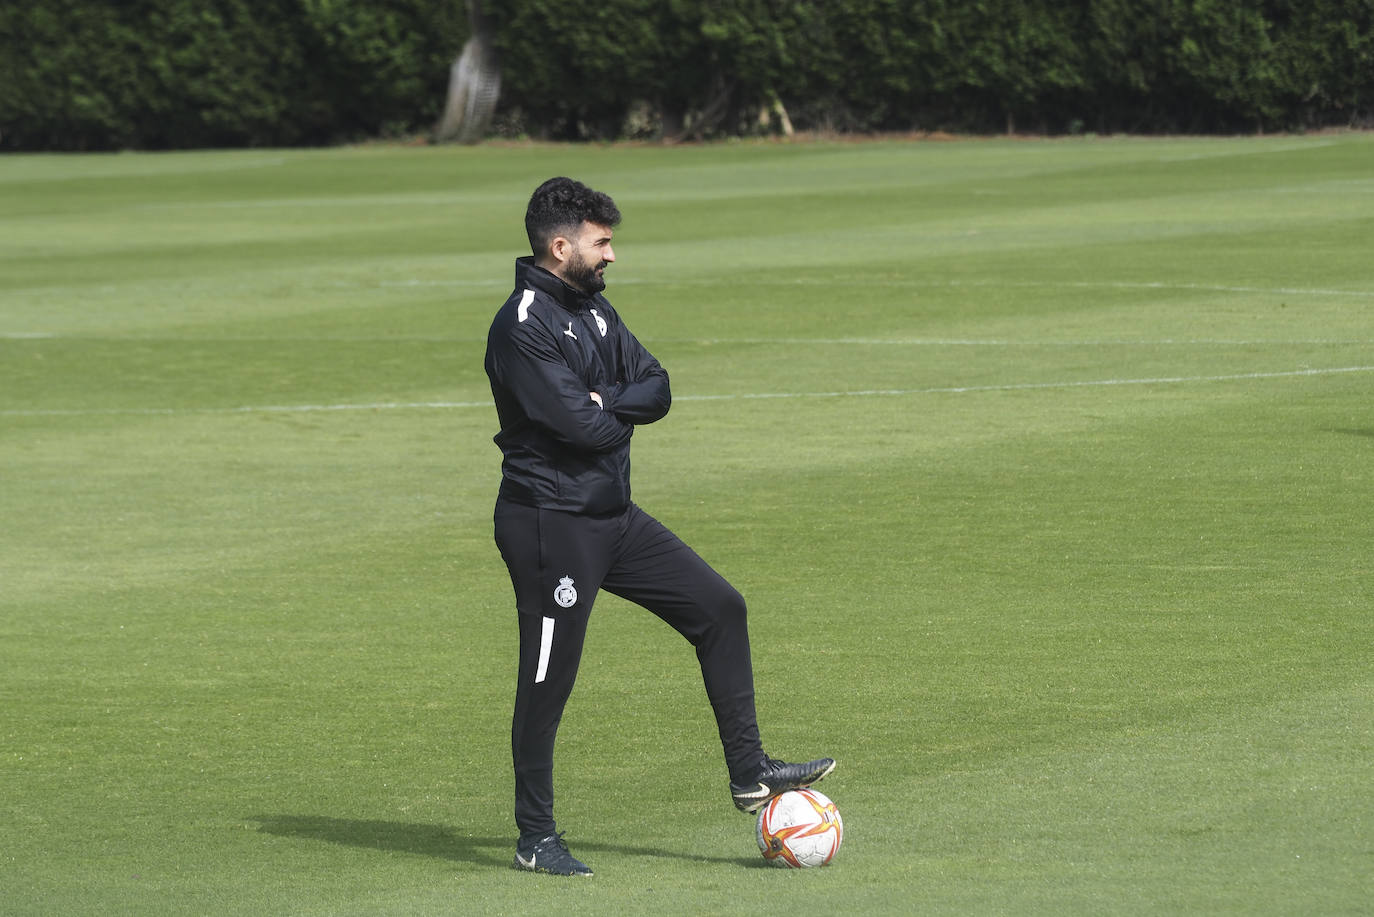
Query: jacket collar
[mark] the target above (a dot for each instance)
(527, 273)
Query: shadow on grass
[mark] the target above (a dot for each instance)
(444, 843)
(1369, 432)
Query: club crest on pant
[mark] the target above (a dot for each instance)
(565, 593)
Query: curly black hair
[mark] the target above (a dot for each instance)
(560, 205)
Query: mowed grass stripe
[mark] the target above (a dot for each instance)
(738, 396)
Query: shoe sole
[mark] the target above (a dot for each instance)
(521, 866)
(753, 807)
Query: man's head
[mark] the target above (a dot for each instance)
(570, 226)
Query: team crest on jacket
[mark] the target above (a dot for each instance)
(600, 323)
(565, 593)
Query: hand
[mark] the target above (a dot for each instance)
(597, 399)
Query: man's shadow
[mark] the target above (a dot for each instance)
(445, 843)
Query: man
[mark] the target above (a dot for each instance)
(571, 383)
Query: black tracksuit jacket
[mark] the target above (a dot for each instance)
(549, 346)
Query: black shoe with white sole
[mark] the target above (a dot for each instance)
(547, 853)
(777, 777)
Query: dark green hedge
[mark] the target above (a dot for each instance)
(102, 74)
(971, 65)
(153, 74)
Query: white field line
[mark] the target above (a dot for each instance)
(1160, 285)
(714, 342)
(996, 342)
(630, 280)
(812, 281)
(744, 396)
(249, 409)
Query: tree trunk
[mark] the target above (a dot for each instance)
(474, 85)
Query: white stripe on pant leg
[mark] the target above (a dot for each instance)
(545, 645)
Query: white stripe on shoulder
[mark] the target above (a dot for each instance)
(523, 312)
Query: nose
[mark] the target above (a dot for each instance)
(608, 254)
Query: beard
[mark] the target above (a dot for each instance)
(581, 274)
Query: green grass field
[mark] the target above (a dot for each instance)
(1045, 467)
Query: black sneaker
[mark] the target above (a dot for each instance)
(548, 854)
(777, 777)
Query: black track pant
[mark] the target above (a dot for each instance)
(558, 562)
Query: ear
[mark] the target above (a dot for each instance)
(560, 249)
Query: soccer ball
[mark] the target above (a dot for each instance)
(799, 828)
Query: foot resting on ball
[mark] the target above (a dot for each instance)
(775, 778)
